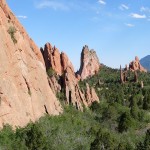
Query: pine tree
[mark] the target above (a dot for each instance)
(125, 122)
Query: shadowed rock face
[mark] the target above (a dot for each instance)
(135, 65)
(25, 94)
(64, 68)
(56, 60)
(89, 63)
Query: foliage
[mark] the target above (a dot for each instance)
(118, 122)
(12, 32)
(125, 122)
(51, 72)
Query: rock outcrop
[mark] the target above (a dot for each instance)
(52, 58)
(63, 67)
(90, 64)
(74, 96)
(136, 66)
(55, 60)
(25, 94)
(90, 95)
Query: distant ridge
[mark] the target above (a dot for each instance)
(146, 62)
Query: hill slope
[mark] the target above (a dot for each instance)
(146, 62)
(119, 121)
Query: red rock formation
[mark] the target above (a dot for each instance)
(90, 95)
(73, 94)
(52, 58)
(55, 86)
(56, 60)
(66, 62)
(63, 67)
(135, 65)
(24, 90)
(89, 63)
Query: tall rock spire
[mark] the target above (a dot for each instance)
(90, 64)
(121, 75)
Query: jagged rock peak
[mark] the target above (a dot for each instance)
(25, 94)
(90, 64)
(52, 58)
(136, 66)
(64, 68)
(56, 60)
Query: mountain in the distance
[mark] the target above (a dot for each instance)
(145, 62)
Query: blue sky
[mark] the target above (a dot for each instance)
(117, 30)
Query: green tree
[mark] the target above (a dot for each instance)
(147, 140)
(145, 102)
(125, 122)
(35, 139)
(103, 140)
(134, 107)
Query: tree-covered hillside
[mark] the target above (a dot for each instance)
(121, 121)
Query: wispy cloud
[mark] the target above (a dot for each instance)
(102, 2)
(55, 5)
(138, 16)
(129, 25)
(123, 7)
(145, 9)
(23, 17)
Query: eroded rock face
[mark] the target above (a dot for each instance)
(56, 60)
(72, 91)
(69, 81)
(25, 94)
(55, 86)
(135, 65)
(89, 63)
(90, 95)
(52, 58)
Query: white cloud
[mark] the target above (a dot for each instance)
(52, 4)
(102, 2)
(129, 25)
(145, 9)
(138, 16)
(23, 17)
(123, 7)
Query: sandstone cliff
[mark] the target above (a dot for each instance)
(64, 69)
(55, 60)
(25, 94)
(89, 63)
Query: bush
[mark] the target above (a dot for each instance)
(51, 72)
(12, 32)
(103, 140)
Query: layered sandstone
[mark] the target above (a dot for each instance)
(25, 94)
(74, 96)
(136, 66)
(90, 64)
(52, 58)
(90, 95)
(55, 60)
(63, 67)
